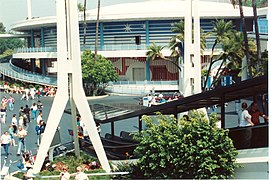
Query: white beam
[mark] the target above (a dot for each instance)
(29, 9)
(69, 64)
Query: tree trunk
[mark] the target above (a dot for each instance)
(211, 63)
(217, 75)
(244, 29)
(255, 19)
(85, 23)
(173, 62)
(97, 30)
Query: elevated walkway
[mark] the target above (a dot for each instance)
(9, 70)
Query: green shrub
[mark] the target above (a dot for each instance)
(188, 149)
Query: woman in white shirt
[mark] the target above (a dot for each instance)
(245, 116)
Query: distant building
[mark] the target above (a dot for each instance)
(125, 31)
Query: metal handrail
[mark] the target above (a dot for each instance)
(27, 76)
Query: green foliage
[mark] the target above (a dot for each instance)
(154, 51)
(72, 162)
(204, 72)
(98, 72)
(259, 67)
(188, 149)
(178, 38)
(10, 44)
(124, 166)
(2, 28)
(7, 53)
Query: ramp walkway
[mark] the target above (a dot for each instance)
(9, 70)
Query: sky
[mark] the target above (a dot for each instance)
(12, 11)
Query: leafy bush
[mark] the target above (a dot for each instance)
(188, 149)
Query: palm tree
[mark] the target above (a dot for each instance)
(85, 23)
(97, 30)
(233, 52)
(221, 30)
(176, 41)
(255, 19)
(155, 52)
(244, 29)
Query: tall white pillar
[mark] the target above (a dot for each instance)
(29, 9)
(186, 89)
(192, 61)
(197, 57)
(69, 66)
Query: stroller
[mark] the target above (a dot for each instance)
(5, 169)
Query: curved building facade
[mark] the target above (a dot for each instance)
(125, 31)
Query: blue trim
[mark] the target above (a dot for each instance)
(147, 32)
(32, 38)
(33, 61)
(148, 75)
(117, 36)
(43, 67)
(42, 37)
(101, 36)
(241, 26)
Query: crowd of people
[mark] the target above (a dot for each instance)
(17, 127)
(29, 92)
(156, 99)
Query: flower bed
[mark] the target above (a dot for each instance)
(88, 163)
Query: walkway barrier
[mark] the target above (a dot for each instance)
(36, 49)
(17, 73)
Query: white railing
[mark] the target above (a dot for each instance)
(34, 50)
(28, 77)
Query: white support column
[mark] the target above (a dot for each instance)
(197, 57)
(69, 63)
(29, 9)
(79, 97)
(192, 60)
(186, 89)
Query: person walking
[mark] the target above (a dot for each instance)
(34, 109)
(27, 113)
(39, 118)
(21, 135)
(5, 142)
(3, 113)
(11, 133)
(11, 102)
(40, 128)
(25, 94)
(40, 106)
(14, 123)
